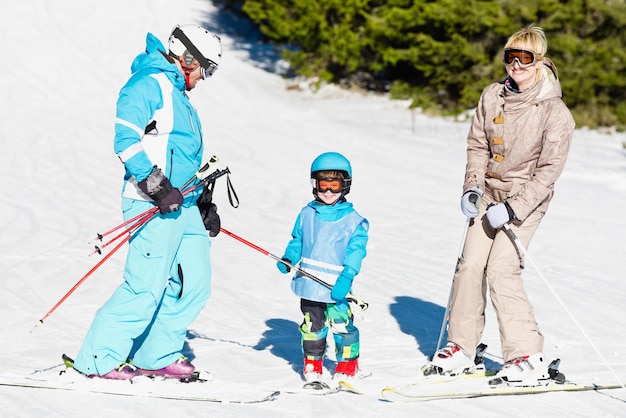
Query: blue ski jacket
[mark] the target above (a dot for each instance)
(327, 240)
(155, 123)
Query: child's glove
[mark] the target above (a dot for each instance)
(341, 306)
(341, 288)
(284, 268)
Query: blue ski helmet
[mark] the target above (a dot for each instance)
(333, 161)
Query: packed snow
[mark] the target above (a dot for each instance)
(62, 67)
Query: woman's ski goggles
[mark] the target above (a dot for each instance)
(324, 185)
(524, 58)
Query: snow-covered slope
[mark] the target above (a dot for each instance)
(63, 64)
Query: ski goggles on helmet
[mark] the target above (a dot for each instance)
(524, 58)
(207, 66)
(208, 70)
(324, 185)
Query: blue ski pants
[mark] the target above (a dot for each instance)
(167, 281)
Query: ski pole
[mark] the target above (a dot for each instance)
(362, 304)
(122, 225)
(129, 230)
(147, 215)
(522, 249)
(106, 257)
(150, 211)
(447, 312)
(140, 221)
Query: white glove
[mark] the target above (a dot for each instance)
(470, 202)
(499, 214)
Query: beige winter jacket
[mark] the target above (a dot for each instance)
(518, 143)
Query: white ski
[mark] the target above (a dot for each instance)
(399, 395)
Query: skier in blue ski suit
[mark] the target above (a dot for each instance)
(329, 240)
(167, 278)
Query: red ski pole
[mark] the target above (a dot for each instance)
(129, 230)
(106, 257)
(140, 221)
(153, 210)
(362, 304)
(99, 237)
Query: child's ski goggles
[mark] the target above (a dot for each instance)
(323, 185)
(524, 58)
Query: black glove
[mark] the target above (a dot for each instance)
(208, 211)
(159, 188)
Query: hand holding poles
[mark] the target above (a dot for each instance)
(362, 304)
(150, 211)
(139, 221)
(147, 215)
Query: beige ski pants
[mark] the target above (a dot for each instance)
(491, 261)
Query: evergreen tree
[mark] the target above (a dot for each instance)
(442, 53)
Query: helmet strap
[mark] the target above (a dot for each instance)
(182, 60)
(187, 73)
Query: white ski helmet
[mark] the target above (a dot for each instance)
(193, 41)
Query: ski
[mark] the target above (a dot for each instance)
(436, 379)
(198, 376)
(317, 385)
(396, 395)
(314, 390)
(421, 392)
(40, 384)
(319, 388)
(347, 387)
(64, 377)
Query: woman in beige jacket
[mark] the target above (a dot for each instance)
(516, 149)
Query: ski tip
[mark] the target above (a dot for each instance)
(348, 387)
(67, 360)
(385, 393)
(316, 385)
(345, 385)
(273, 395)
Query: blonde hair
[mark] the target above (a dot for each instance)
(328, 174)
(531, 38)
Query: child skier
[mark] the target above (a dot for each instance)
(329, 240)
